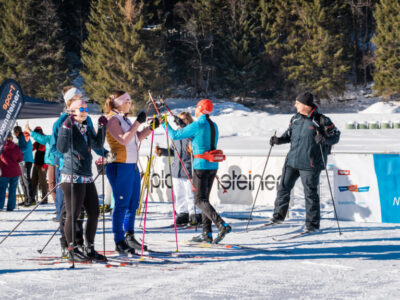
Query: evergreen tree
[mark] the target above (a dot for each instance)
(276, 21)
(238, 46)
(122, 52)
(314, 57)
(30, 48)
(387, 41)
(196, 37)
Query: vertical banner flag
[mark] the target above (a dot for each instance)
(11, 101)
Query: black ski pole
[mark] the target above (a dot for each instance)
(330, 188)
(48, 242)
(72, 198)
(259, 186)
(32, 210)
(104, 195)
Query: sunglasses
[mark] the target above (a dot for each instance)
(84, 109)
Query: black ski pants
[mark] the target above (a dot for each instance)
(203, 181)
(310, 180)
(78, 227)
(26, 180)
(85, 194)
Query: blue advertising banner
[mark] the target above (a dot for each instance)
(11, 102)
(387, 170)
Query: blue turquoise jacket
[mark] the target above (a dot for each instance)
(200, 134)
(54, 137)
(26, 148)
(44, 140)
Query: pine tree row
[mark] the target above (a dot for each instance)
(224, 48)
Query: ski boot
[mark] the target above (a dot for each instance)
(122, 248)
(93, 254)
(77, 255)
(64, 252)
(224, 229)
(205, 237)
(132, 242)
(182, 219)
(195, 219)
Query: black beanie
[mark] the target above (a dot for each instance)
(306, 98)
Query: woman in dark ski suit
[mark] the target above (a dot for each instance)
(308, 131)
(83, 186)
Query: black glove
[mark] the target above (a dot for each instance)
(156, 123)
(141, 117)
(178, 121)
(102, 121)
(319, 138)
(69, 121)
(274, 140)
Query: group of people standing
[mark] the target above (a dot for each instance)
(68, 154)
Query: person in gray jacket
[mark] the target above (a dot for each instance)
(186, 210)
(309, 132)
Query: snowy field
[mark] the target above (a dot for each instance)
(362, 263)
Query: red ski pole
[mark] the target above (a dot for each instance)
(147, 192)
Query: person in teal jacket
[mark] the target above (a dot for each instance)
(204, 137)
(48, 158)
(25, 145)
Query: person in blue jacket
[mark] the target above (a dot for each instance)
(204, 136)
(25, 145)
(48, 158)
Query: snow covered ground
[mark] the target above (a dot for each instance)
(362, 263)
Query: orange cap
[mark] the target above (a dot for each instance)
(206, 106)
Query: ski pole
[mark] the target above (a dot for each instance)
(147, 193)
(172, 185)
(259, 186)
(330, 189)
(32, 210)
(72, 198)
(102, 186)
(48, 242)
(172, 143)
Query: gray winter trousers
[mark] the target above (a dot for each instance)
(310, 180)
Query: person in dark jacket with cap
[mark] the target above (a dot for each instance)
(309, 134)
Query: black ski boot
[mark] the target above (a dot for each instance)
(78, 256)
(224, 229)
(93, 254)
(182, 219)
(122, 248)
(205, 237)
(195, 219)
(132, 242)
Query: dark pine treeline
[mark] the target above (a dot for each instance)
(222, 48)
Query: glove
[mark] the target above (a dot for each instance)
(141, 117)
(274, 140)
(69, 121)
(158, 150)
(102, 121)
(179, 122)
(319, 138)
(156, 123)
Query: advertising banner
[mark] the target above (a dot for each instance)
(11, 102)
(367, 187)
(240, 175)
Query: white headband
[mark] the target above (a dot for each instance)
(71, 93)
